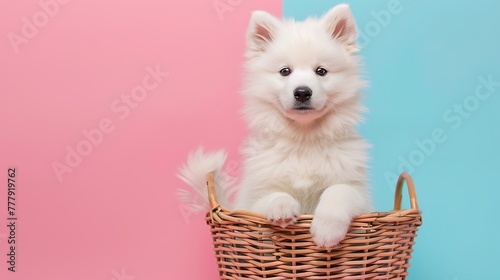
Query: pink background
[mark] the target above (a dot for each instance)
(115, 216)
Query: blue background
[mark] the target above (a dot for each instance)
(423, 63)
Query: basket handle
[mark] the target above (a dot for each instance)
(399, 192)
(212, 199)
(397, 199)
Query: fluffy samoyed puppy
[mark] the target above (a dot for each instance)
(302, 104)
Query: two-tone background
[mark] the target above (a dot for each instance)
(100, 102)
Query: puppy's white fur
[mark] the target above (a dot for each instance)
(299, 161)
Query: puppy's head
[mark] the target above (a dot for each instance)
(306, 70)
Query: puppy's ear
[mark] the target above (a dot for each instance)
(340, 24)
(261, 31)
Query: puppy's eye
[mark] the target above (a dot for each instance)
(285, 71)
(321, 71)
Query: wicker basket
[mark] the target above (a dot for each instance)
(377, 246)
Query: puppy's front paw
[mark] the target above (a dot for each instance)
(283, 211)
(327, 231)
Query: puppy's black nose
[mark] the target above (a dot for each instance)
(302, 94)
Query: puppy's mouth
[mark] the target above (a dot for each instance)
(304, 114)
(303, 108)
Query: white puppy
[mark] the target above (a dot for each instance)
(302, 103)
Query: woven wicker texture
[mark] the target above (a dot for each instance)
(377, 246)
